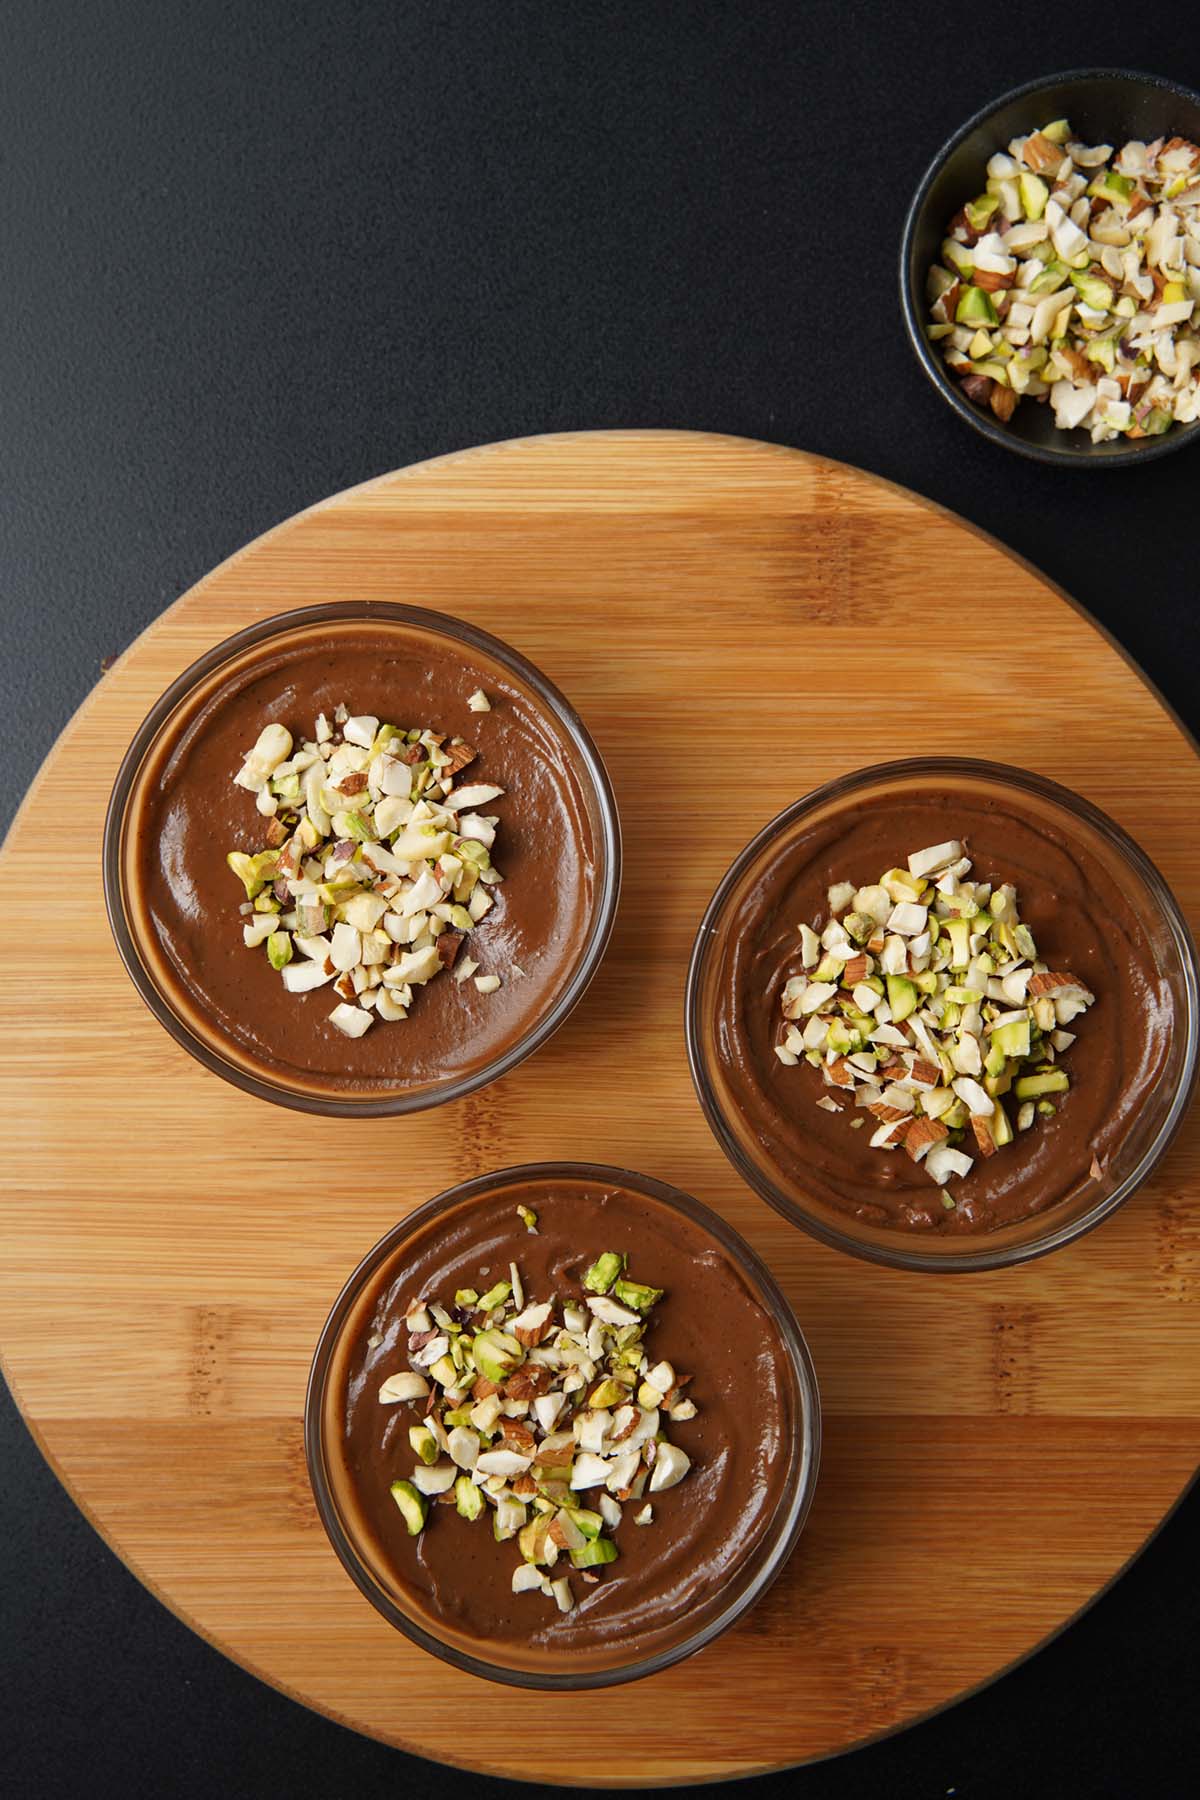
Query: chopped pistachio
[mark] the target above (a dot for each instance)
(424, 1444)
(636, 1294)
(603, 1272)
(597, 1551)
(279, 949)
(414, 1507)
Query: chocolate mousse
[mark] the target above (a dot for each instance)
(600, 1511)
(1010, 1140)
(201, 808)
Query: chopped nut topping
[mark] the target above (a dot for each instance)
(1074, 279)
(548, 1412)
(374, 871)
(961, 1013)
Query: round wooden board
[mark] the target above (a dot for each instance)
(996, 1447)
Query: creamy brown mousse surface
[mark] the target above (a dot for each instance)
(195, 814)
(1082, 922)
(710, 1323)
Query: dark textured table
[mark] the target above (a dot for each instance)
(256, 254)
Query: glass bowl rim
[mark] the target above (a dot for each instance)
(1066, 455)
(363, 612)
(790, 1516)
(977, 1256)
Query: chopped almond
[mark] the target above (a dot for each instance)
(517, 1436)
(448, 946)
(527, 1383)
(887, 1114)
(1049, 983)
(921, 1135)
(978, 388)
(1003, 402)
(1041, 155)
(983, 1135)
(460, 755)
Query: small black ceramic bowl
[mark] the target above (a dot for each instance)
(1104, 106)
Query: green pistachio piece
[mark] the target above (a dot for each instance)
(603, 1272)
(532, 1539)
(425, 1445)
(843, 1038)
(279, 949)
(958, 930)
(607, 1393)
(599, 1550)
(466, 1297)
(413, 1506)
(445, 1372)
(902, 996)
(1034, 194)
(636, 1294)
(495, 1296)
(1010, 1040)
(253, 872)
(980, 211)
(496, 1354)
(467, 1498)
(1032, 1087)
(527, 1217)
(1002, 1131)
(975, 308)
(1023, 942)
(859, 925)
(1109, 185)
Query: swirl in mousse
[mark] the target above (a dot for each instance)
(567, 1425)
(365, 858)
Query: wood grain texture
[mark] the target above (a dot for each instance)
(997, 1446)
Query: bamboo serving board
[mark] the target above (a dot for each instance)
(996, 1447)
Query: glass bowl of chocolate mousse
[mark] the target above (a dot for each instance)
(361, 859)
(942, 1014)
(562, 1427)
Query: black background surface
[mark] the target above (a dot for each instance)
(252, 255)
